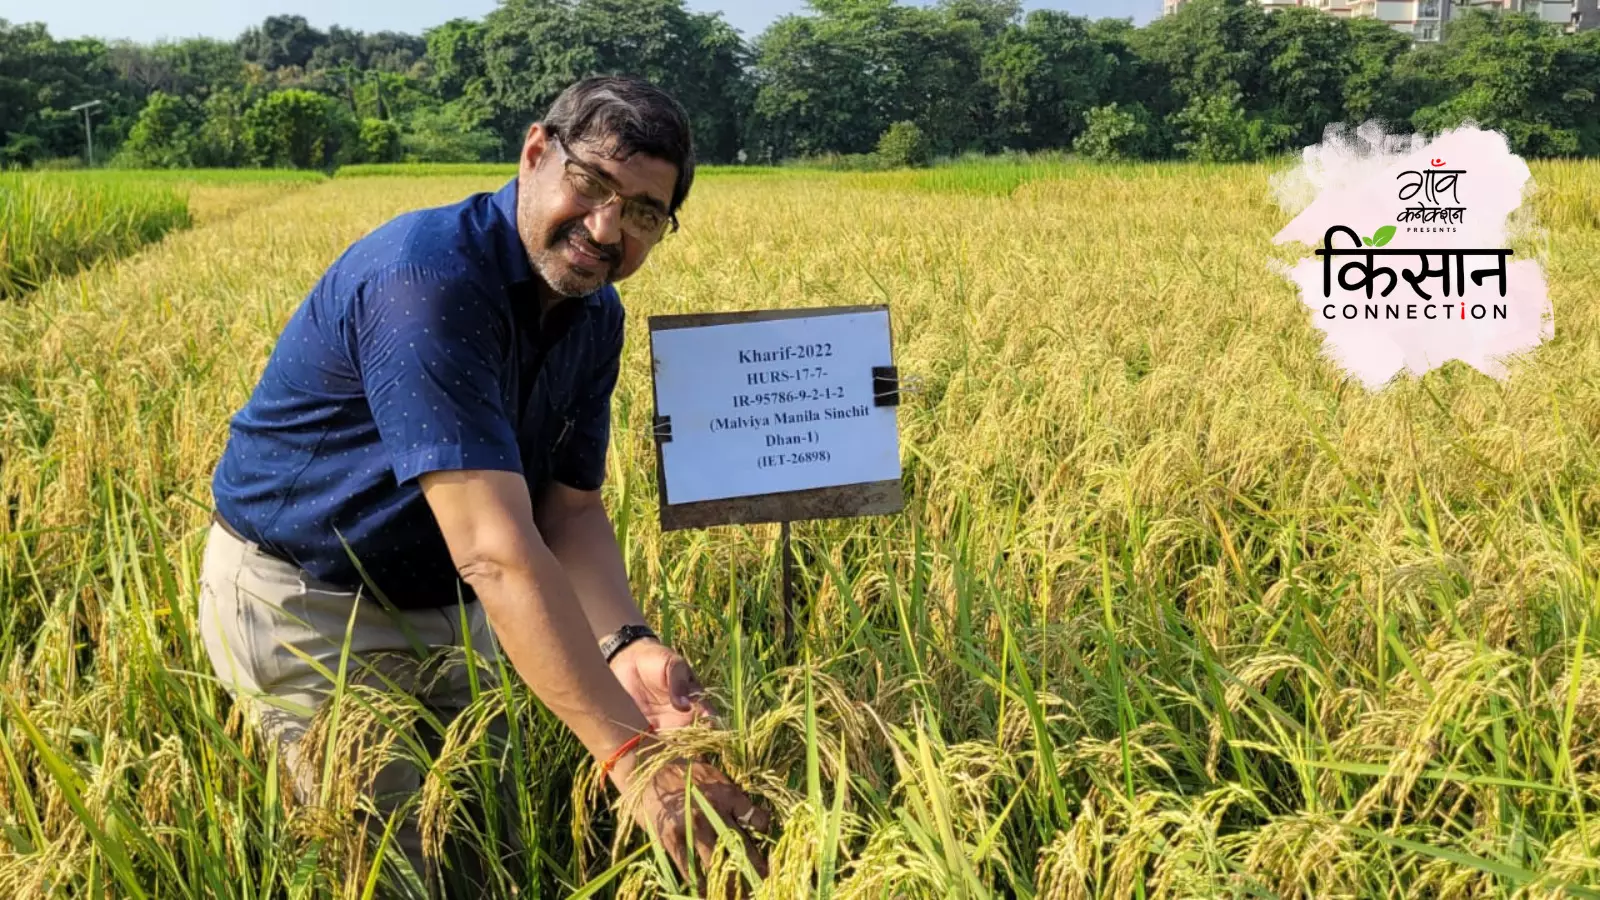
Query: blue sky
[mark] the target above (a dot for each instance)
(149, 20)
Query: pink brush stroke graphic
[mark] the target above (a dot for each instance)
(1355, 181)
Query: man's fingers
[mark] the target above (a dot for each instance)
(678, 825)
(686, 692)
(734, 804)
(761, 819)
(756, 819)
(705, 709)
(672, 837)
(701, 702)
(758, 860)
(750, 816)
(705, 837)
(682, 684)
(736, 812)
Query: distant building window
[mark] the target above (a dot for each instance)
(1427, 32)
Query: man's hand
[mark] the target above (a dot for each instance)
(663, 812)
(661, 684)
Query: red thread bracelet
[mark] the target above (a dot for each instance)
(627, 745)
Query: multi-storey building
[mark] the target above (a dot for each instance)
(1168, 7)
(1424, 19)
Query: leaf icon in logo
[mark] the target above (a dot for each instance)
(1383, 235)
(1366, 242)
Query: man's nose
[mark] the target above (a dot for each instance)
(605, 223)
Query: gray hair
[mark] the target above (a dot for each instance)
(641, 117)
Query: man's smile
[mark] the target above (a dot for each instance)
(581, 253)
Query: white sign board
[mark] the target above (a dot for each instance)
(770, 406)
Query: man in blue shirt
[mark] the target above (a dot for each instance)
(419, 466)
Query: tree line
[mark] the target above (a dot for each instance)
(856, 80)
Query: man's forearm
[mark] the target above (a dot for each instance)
(586, 544)
(553, 650)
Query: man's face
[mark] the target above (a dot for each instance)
(574, 248)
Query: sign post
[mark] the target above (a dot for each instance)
(775, 416)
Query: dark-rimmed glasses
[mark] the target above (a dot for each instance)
(641, 219)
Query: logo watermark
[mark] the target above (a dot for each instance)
(1438, 211)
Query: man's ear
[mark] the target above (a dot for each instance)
(534, 144)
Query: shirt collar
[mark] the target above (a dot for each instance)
(511, 248)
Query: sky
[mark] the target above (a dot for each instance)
(150, 20)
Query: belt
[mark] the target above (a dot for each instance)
(234, 533)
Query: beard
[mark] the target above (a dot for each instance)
(564, 278)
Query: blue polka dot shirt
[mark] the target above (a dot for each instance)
(419, 350)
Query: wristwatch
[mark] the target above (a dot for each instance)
(622, 637)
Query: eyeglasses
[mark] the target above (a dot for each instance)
(640, 219)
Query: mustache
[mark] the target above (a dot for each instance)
(611, 253)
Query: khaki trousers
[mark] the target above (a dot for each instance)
(265, 622)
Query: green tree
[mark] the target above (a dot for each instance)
(1138, 83)
(533, 49)
(165, 134)
(393, 52)
(1376, 86)
(448, 134)
(698, 58)
(1208, 44)
(221, 141)
(1520, 76)
(281, 41)
(388, 95)
(1217, 128)
(455, 54)
(1115, 132)
(340, 48)
(41, 78)
(1046, 75)
(1310, 62)
(298, 129)
(1579, 74)
(903, 145)
(992, 17)
(813, 95)
(834, 81)
(378, 141)
(1249, 83)
(1219, 80)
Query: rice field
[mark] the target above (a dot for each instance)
(56, 223)
(427, 170)
(1174, 609)
(55, 226)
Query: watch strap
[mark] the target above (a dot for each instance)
(622, 637)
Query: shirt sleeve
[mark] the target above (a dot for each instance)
(580, 457)
(432, 355)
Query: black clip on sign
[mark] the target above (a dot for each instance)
(885, 386)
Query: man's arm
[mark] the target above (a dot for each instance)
(488, 524)
(572, 518)
(580, 534)
(487, 520)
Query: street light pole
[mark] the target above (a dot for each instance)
(88, 129)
